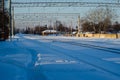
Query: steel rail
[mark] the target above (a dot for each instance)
(107, 49)
(80, 58)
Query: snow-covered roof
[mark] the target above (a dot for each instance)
(48, 31)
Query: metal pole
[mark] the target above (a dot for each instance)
(10, 20)
(79, 24)
(71, 27)
(12, 27)
(3, 23)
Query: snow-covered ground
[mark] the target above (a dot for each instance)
(33, 57)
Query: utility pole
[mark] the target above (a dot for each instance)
(71, 27)
(3, 20)
(13, 22)
(10, 19)
(79, 24)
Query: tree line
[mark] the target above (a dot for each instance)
(4, 21)
(100, 20)
(58, 26)
(101, 27)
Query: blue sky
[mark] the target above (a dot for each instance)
(81, 10)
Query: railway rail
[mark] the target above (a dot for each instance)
(112, 50)
(81, 59)
(107, 49)
(84, 58)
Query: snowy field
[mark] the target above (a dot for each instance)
(33, 57)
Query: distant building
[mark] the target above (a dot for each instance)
(49, 32)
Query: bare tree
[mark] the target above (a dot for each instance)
(101, 16)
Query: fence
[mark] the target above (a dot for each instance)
(113, 36)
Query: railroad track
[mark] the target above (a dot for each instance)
(82, 59)
(107, 49)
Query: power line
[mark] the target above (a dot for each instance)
(65, 4)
